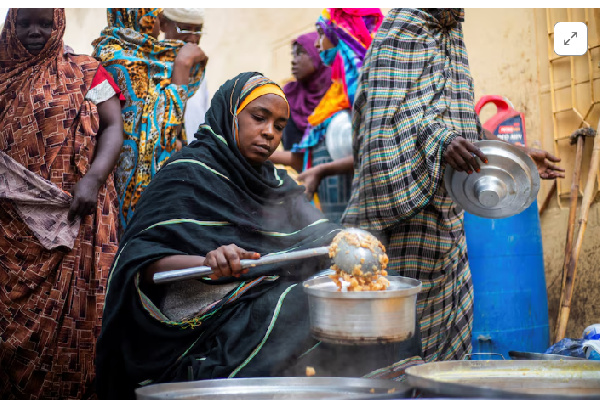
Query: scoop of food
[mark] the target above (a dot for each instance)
(359, 259)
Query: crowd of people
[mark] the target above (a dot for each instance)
(102, 186)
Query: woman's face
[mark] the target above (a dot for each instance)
(261, 125)
(323, 43)
(302, 64)
(34, 28)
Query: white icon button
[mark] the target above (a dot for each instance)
(570, 38)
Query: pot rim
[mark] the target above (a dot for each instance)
(400, 286)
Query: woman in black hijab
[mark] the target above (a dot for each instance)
(218, 201)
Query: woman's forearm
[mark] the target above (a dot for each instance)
(288, 158)
(171, 263)
(342, 166)
(110, 140)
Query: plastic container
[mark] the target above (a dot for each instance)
(507, 124)
(507, 264)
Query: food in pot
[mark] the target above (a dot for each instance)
(310, 371)
(360, 280)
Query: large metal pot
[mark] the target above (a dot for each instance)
(277, 388)
(547, 380)
(358, 318)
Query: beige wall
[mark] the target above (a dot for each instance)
(508, 54)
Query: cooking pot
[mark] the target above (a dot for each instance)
(524, 355)
(277, 388)
(358, 318)
(548, 380)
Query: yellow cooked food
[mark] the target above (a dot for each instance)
(359, 280)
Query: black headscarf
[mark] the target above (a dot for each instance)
(206, 196)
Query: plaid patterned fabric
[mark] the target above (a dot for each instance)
(414, 98)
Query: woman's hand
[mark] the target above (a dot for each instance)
(461, 155)
(544, 162)
(187, 57)
(311, 178)
(85, 197)
(225, 261)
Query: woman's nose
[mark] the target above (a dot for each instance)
(318, 43)
(34, 31)
(269, 131)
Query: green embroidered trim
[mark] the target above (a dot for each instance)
(187, 220)
(281, 234)
(188, 161)
(309, 350)
(269, 329)
(278, 177)
(221, 138)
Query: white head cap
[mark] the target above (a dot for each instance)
(185, 15)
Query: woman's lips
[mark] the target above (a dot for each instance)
(262, 150)
(35, 46)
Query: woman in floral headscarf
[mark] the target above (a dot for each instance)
(60, 133)
(159, 76)
(345, 34)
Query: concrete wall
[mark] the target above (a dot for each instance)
(508, 53)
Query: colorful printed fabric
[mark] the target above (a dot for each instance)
(43, 206)
(415, 96)
(350, 30)
(154, 107)
(51, 300)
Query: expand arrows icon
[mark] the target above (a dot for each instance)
(566, 42)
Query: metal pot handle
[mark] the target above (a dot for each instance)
(469, 356)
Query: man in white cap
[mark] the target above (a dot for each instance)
(182, 24)
(186, 24)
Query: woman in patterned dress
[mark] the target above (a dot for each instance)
(60, 136)
(159, 76)
(345, 34)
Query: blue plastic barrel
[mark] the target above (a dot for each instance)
(507, 265)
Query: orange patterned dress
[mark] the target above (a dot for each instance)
(51, 299)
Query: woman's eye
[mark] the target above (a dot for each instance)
(258, 117)
(46, 24)
(279, 127)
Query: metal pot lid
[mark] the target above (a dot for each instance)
(506, 185)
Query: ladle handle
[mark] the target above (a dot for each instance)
(201, 271)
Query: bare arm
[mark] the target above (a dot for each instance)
(110, 140)
(189, 55)
(288, 158)
(311, 178)
(545, 161)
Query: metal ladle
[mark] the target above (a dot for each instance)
(346, 257)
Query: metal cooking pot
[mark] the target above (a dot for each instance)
(524, 355)
(548, 380)
(506, 185)
(277, 388)
(358, 318)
